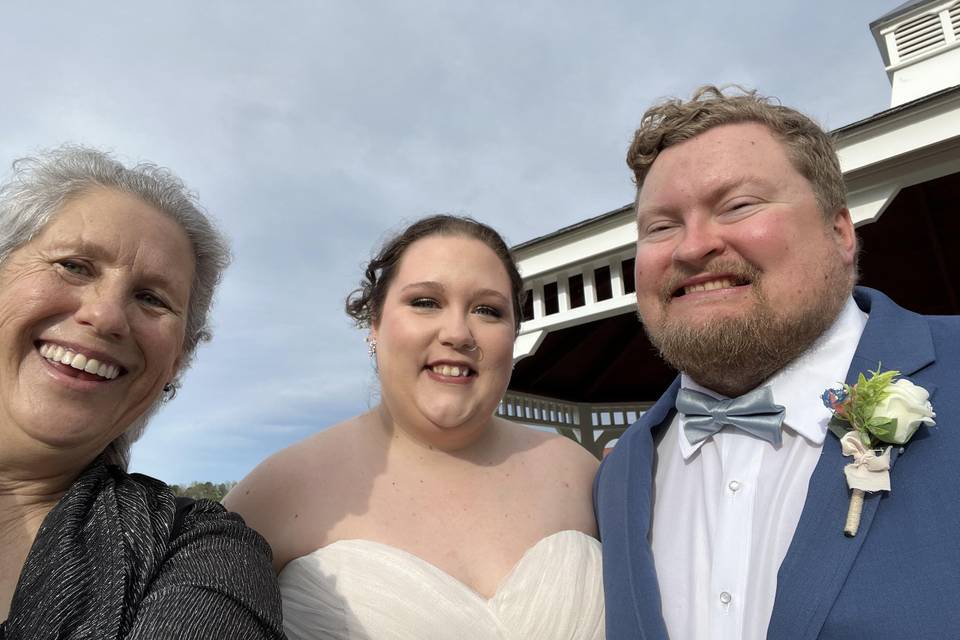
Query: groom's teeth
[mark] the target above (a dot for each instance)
(93, 366)
(724, 283)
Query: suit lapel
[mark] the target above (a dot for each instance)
(638, 508)
(820, 557)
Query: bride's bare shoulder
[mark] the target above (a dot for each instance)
(294, 497)
(299, 474)
(556, 452)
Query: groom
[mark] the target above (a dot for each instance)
(745, 271)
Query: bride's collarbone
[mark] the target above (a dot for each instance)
(467, 484)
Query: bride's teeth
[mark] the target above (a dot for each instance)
(67, 357)
(451, 371)
(93, 366)
(58, 352)
(79, 361)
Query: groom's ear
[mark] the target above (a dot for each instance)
(844, 235)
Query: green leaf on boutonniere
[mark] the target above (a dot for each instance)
(838, 427)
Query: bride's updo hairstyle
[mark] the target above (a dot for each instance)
(365, 304)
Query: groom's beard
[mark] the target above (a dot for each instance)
(734, 354)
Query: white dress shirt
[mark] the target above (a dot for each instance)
(725, 509)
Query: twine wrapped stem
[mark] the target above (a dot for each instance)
(853, 513)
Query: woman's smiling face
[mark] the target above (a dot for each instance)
(449, 295)
(92, 319)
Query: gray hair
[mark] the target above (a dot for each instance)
(42, 184)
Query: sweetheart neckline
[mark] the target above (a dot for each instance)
(437, 570)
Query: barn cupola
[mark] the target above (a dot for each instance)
(920, 45)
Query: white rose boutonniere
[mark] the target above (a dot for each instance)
(907, 407)
(874, 412)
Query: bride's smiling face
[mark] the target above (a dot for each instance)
(445, 340)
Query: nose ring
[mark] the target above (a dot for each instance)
(474, 347)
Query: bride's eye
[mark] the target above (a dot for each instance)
(487, 310)
(425, 303)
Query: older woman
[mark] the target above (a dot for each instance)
(429, 517)
(106, 278)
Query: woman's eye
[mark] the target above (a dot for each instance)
(487, 310)
(74, 267)
(151, 299)
(424, 303)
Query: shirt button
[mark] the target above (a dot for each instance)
(734, 486)
(725, 597)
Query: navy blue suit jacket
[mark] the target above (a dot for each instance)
(898, 578)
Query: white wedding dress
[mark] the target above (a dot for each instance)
(365, 590)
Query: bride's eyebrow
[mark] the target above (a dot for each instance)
(426, 284)
(491, 293)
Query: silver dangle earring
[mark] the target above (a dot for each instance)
(371, 347)
(169, 392)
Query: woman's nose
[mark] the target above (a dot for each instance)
(104, 310)
(455, 331)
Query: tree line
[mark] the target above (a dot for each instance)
(203, 490)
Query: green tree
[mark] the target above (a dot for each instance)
(203, 490)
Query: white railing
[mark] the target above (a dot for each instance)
(593, 425)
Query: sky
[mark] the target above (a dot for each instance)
(310, 130)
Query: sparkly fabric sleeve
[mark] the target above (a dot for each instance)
(113, 561)
(216, 581)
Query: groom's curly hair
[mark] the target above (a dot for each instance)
(809, 147)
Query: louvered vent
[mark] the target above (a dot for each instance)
(920, 35)
(955, 18)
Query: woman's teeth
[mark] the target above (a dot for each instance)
(446, 370)
(57, 353)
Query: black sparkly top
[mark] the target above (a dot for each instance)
(115, 558)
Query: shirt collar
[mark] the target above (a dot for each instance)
(800, 384)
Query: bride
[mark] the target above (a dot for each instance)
(429, 517)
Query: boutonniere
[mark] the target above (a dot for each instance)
(868, 417)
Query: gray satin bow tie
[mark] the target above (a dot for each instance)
(753, 412)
